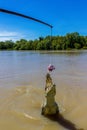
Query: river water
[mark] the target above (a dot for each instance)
(22, 82)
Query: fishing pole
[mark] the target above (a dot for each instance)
(25, 16)
(28, 17)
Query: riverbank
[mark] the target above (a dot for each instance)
(67, 42)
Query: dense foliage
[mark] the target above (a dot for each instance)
(70, 41)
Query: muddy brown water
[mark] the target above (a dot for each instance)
(22, 82)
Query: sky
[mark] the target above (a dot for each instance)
(66, 16)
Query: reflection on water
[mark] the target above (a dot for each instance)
(22, 81)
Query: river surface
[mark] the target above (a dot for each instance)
(22, 83)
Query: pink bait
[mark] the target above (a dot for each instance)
(51, 67)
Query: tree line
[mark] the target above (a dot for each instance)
(67, 42)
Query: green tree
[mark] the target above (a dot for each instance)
(34, 44)
(71, 39)
(9, 44)
(77, 46)
(20, 45)
(29, 45)
(2, 45)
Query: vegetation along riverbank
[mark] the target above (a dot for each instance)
(67, 42)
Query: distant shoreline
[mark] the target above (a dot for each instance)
(72, 41)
